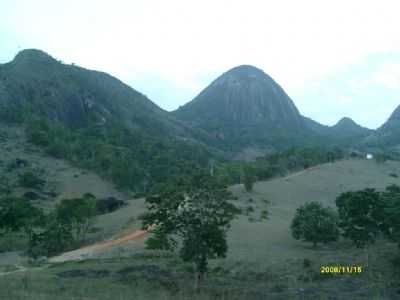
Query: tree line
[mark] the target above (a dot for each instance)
(362, 216)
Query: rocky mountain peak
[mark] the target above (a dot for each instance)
(33, 56)
(396, 114)
(346, 121)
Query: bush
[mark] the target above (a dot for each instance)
(39, 138)
(107, 205)
(307, 263)
(65, 228)
(249, 182)
(54, 237)
(29, 180)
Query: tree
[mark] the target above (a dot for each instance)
(248, 179)
(16, 214)
(361, 216)
(77, 213)
(391, 198)
(198, 212)
(63, 228)
(30, 180)
(314, 223)
(51, 237)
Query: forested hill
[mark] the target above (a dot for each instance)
(96, 121)
(34, 82)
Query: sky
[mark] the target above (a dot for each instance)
(333, 58)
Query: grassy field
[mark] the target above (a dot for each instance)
(263, 262)
(270, 241)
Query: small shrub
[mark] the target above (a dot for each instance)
(31, 196)
(39, 138)
(108, 205)
(279, 288)
(30, 180)
(264, 215)
(249, 209)
(266, 201)
(307, 263)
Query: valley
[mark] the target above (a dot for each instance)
(87, 162)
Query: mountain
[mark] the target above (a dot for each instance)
(36, 82)
(389, 133)
(245, 107)
(392, 124)
(316, 127)
(346, 128)
(345, 133)
(97, 122)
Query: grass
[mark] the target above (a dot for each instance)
(166, 277)
(263, 261)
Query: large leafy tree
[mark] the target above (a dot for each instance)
(314, 223)
(16, 214)
(361, 215)
(64, 228)
(198, 213)
(391, 198)
(77, 214)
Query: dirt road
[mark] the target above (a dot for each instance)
(88, 251)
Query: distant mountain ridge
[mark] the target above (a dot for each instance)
(243, 110)
(346, 127)
(388, 135)
(393, 122)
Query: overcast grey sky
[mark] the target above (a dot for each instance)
(334, 58)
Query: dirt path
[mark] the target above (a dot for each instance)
(18, 270)
(85, 252)
(88, 251)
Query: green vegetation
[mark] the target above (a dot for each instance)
(361, 215)
(29, 179)
(77, 213)
(392, 212)
(199, 213)
(130, 158)
(249, 179)
(276, 164)
(65, 228)
(16, 214)
(315, 223)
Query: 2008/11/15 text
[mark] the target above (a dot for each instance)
(341, 269)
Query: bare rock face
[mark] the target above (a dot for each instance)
(247, 107)
(243, 96)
